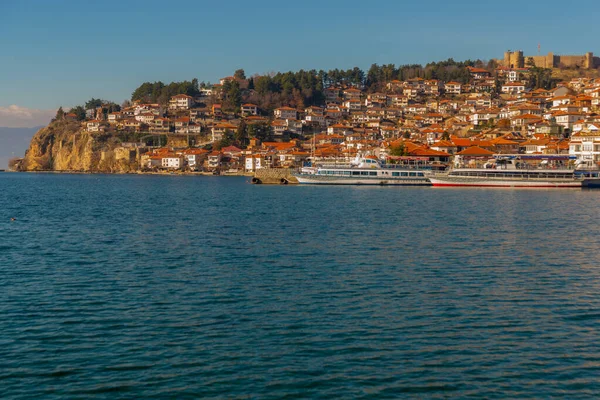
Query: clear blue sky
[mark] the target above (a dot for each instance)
(64, 52)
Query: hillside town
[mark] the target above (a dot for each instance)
(416, 120)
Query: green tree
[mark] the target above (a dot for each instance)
(263, 85)
(233, 96)
(93, 103)
(398, 150)
(225, 140)
(239, 74)
(241, 135)
(259, 131)
(60, 114)
(79, 111)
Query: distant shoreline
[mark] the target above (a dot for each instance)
(246, 174)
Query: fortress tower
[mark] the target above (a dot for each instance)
(514, 59)
(589, 60)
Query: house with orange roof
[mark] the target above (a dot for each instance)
(255, 119)
(113, 117)
(145, 117)
(398, 100)
(444, 145)
(294, 158)
(585, 145)
(249, 109)
(315, 119)
(352, 93)
(181, 102)
(538, 145)
(567, 119)
(339, 129)
(453, 87)
(279, 127)
(181, 125)
(194, 158)
(160, 124)
(286, 113)
(96, 126)
(352, 105)
(217, 110)
(219, 129)
(172, 161)
(332, 94)
(505, 146)
(253, 162)
(525, 120)
(479, 73)
(513, 88)
(394, 84)
(472, 155)
(213, 160)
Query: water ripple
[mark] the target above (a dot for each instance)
(171, 287)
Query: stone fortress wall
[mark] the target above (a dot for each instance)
(516, 59)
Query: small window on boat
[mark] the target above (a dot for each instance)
(420, 174)
(355, 172)
(373, 173)
(364, 172)
(412, 174)
(395, 173)
(403, 173)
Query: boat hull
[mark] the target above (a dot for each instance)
(503, 183)
(376, 181)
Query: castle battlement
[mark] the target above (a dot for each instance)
(516, 59)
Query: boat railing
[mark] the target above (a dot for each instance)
(381, 166)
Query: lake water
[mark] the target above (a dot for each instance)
(189, 287)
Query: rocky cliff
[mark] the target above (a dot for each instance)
(66, 146)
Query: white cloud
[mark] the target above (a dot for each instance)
(15, 116)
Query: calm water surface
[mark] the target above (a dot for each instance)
(189, 287)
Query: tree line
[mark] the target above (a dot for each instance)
(305, 87)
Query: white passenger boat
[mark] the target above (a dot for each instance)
(363, 171)
(514, 171)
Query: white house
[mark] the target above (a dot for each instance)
(286, 113)
(249, 109)
(453, 88)
(513, 88)
(172, 161)
(181, 102)
(585, 145)
(254, 162)
(567, 119)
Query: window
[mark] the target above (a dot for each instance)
(373, 173)
(355, 172)
(412, 174)
(363, 173)
(403, 173)
(395, 173)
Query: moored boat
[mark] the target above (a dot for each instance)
(514, 171)
(363, 171)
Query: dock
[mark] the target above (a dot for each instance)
(274, 176)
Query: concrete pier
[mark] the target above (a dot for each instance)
(274, 176)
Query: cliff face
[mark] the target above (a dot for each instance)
(65, 146)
